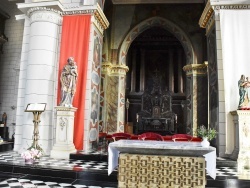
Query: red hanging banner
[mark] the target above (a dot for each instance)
(75, 43)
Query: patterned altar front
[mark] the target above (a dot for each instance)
(161, 171)
(161, 164)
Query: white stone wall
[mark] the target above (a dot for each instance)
(221, 123)
(21, 86)
(10, 65)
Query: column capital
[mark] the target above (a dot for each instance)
(38, 14)
(196, 69)
(50, 5)
(114, 70)
(106, 68)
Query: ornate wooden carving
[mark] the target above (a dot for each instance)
(156, 114)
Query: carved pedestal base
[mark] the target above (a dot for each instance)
(242, 144)
(64, 133)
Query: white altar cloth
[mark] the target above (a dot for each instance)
(192, 149)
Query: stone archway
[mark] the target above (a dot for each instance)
(166, 24)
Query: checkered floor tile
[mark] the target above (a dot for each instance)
(223, 173)
(26, 183)
(45, 161)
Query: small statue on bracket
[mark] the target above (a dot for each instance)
(243, 85)
(68, 82)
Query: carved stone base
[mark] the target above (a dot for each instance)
(64, 133)
(243, 162)
(242, 137)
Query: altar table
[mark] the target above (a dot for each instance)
(161, 164)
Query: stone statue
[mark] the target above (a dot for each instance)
(68, 82)
(243, 85)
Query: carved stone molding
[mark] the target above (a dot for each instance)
(233, 7)
(156, 22)
(241, 113)
(64, 108)
(114, 70)
(196, 69)
(106, 68)
(63, 122)
(207, 18)
(206, 15)
(34, 9)
(102, 22)
(38, 14)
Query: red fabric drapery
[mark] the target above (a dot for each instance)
(75, 43)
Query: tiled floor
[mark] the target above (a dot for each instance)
(90, 174)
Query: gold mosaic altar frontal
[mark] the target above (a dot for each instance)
(151, 171)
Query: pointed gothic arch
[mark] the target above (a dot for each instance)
(164, 23)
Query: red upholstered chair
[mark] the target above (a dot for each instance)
(150, 136)
(168, 138)
(134, 137)
(109, 138)
(120, 136)
(196, 139)
(181, 137)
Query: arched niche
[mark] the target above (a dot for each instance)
(160, 22)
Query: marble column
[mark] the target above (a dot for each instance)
(194, 71)
(64, 133)
(39, 82)
(120, 73)
(106, 68)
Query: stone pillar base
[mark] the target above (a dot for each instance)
(64, 133)
(244, 162)
(62, 152)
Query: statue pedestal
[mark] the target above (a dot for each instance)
(64, 133)
(242, 137)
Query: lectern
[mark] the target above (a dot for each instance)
(36, 109)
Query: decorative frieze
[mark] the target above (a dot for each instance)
(196, 69)
(49, 14)
(34, 9)
(101, 21)
(206, 15)
(46, 17)
(72, 12)
(233, 7)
